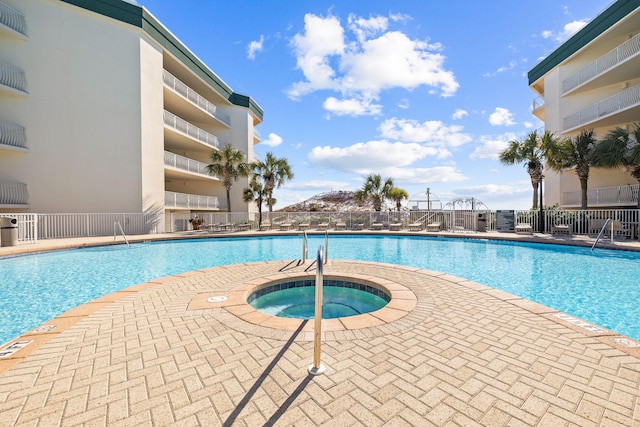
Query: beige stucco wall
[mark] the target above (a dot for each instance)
(83, 112)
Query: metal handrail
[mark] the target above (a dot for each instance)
(121, 231)
(305, 247)
(317, 368)
(326, 246)
(604, 227)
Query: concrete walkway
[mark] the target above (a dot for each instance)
(465, 355)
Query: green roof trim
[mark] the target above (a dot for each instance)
(139, 17)
(610, 16)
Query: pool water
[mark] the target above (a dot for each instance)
(299, 303)
(600, 287)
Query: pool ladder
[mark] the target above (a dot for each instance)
(115, 225)
(604, 227)
(305, 246)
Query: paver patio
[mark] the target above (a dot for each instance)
(466, 355)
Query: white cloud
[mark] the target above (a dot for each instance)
(367, 157)
(490, 190)
(567, 31)
(273, 141)
(404, 103)
(459, 113)
(492, 146)
(255, 46)
(501, 117)
(352, 107)
(511, 66)
(371, 60)
(432, 133)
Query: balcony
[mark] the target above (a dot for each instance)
(194, 97)
(537, 108)
(190, 201)
(13, 21)
(187, 165)
(626, 195)
(191, 131)
(627, 50)
(625, 105)
(13, 194)
(13, 78)
(13, 136)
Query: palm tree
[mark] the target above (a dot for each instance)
(576, 153)
(532, 151)
(274, 172)
(255, 193)
(398, 195)
(620, 148)
(375, 190)
(229, 165)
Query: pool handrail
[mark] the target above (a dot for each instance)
(604, 227)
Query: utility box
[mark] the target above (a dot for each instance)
(8, 231)
(481, 224)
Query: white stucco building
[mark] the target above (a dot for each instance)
(102, 109)
(592, 81)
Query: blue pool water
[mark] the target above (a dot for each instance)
(299, 303)
(600, 287)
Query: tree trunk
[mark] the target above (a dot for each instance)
(535, 185)
(583, 188)
(228, 201)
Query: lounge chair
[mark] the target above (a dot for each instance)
(416, 226)
(434, 226)
(357, 226)
(561, 229)
(341, 225)
(244, 227)
(303, 226)
(285, 226)
(323, 226)
(396, 226)
(523, 229)
(265, 225)
(377, 226)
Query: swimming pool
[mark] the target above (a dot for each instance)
(599, 287)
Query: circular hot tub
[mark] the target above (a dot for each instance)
(296, 299)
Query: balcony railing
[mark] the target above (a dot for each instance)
(190, 201)
(13, 77)
(13, 135)
(185, 163)
(626, 195)
(13, 193)
(13, 19)
(605, 62)
(191, 130)
(194, 97)
(621, 101)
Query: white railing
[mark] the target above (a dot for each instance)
(194, 97)
(185, 163)
(537, 103)
(12, 134)
(190, 201)
(607, 61)
(191, 130)
(13, 19)
(32, 227)
(63, 226)
(13, 77)
(256, 134)
(623, 100)
(13, 193)
(624, 195)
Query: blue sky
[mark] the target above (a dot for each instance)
(424, 92)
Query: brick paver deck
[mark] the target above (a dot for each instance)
(466, 355)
